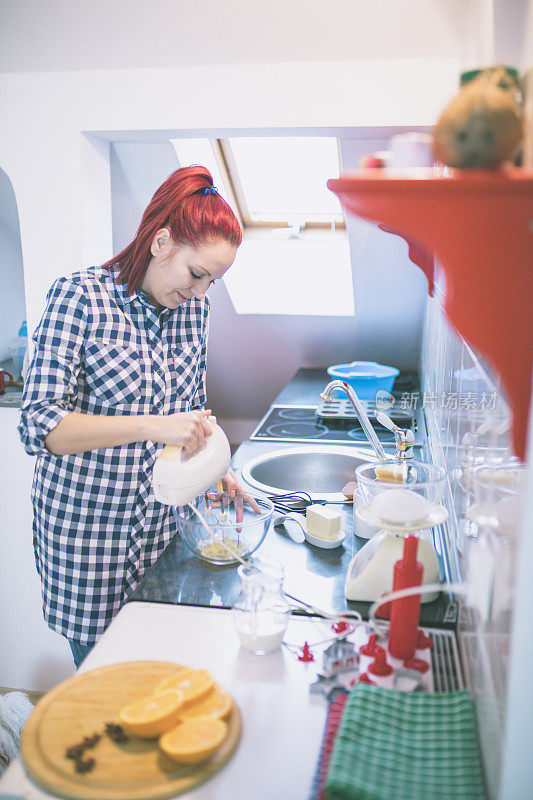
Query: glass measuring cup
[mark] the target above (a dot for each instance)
(262, 611)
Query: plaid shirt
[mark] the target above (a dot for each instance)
(97, 527)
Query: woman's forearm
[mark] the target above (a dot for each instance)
(77, 433)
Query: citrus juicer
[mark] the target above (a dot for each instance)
(406, 503)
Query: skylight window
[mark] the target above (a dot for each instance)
(283, 180)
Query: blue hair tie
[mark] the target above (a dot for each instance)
(211, 190)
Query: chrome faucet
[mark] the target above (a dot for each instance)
(360, 414)
(403, 438)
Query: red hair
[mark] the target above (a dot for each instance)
(192, 217)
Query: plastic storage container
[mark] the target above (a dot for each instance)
(365, 377)
(243, 537)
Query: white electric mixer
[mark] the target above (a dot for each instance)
(178, 477)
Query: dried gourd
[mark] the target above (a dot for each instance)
(482, 126)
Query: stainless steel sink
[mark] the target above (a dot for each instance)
(321, 471)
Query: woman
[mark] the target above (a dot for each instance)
(118, 371)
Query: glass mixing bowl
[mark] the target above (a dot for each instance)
(499, 497)
(241, 538)
(428, 480)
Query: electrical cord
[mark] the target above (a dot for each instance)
(382, 626)
(353, 616)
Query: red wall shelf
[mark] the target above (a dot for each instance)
(479, 225)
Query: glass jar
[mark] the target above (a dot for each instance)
(262, 611)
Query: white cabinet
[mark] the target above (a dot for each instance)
(32, 656)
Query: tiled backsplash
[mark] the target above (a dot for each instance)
(468, 425)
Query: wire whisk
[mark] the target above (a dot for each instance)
(293, 501)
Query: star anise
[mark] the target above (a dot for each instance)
(75, 752)
(91, 741)
(85, 765)
(116, 733)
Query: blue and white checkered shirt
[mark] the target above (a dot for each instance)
(97, 527)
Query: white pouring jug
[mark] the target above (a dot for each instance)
(179, 477)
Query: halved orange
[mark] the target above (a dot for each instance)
(152, 715)
(194, 740)
(216, 704)
(194, 683)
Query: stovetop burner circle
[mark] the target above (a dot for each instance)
(305, 430)
(384, 436)
(297, 413)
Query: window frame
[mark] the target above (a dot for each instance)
(228, 167)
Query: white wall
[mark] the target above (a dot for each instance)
(124, 34)
(13, 307)
(137, 169)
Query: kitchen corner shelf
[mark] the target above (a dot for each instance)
(479, 225)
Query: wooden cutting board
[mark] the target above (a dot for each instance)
(136, 770)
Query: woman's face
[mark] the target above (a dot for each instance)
(178, 273)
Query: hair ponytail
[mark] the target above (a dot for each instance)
(192, 216)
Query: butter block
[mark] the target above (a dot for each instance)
(323, 522)
(391, 473)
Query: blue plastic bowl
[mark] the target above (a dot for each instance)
(366, 377)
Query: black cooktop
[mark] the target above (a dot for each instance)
(300, 423)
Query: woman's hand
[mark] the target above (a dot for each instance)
(189, 429)
(235, 492)
(238, 493)
(231, 484)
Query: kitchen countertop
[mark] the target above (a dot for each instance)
(307, 384)
(312, 574)
(272, 759)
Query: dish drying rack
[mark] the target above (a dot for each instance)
(341, 408)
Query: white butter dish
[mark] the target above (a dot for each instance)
(326, 544)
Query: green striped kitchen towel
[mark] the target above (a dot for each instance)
(397, 746)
